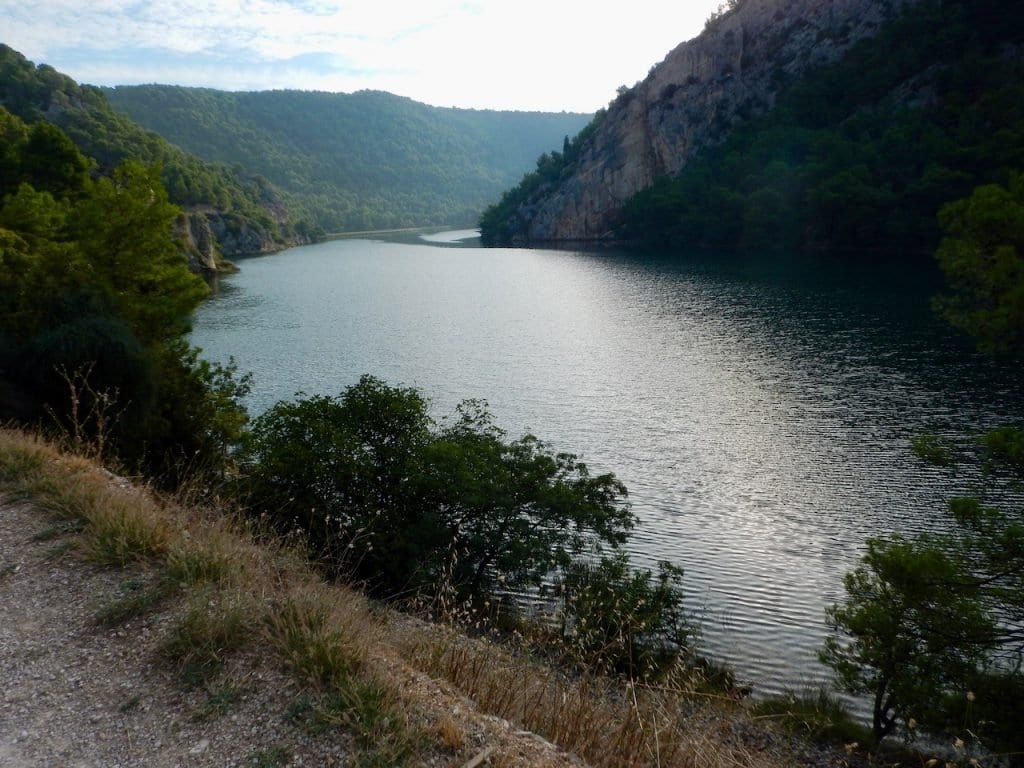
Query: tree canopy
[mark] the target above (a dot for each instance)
(58, 110)
(369, 472)
(97, 297)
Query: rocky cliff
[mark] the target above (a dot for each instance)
(691, 100)
(210, 238)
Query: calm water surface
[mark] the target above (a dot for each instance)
(758, 409)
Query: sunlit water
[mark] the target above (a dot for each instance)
(759, 409)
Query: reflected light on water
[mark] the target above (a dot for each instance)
(759, 410)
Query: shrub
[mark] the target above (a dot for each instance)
(384, 495)
(626, 621)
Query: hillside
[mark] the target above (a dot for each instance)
(367, 160)
(241, 211)
(830, 124)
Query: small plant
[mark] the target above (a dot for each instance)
(318, 650)
(209, 561)
(22, 460)
(90, 417)
(120, 532)
(618, 620)
(332, 657)
(450, 735)
(218, 701)
(203, 638)
(139, 598)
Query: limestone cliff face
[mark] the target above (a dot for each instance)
(192, 230)
(691, 100)
(209, 236)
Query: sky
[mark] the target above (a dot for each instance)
(548, 55)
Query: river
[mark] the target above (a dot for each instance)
(759, 408)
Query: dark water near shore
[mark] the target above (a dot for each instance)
(759, 409)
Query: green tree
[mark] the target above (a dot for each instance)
(97, 297)
(909, 630)
(51, 161)
(515, 511)
(123, 227)
(982, 256)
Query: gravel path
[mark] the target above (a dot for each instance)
(78, 695)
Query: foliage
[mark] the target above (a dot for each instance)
(97, 298)
(82, 114)
(378, 489)
(498, 221)
(930, 620)
(910, 630)
(624, 620)
(815, 714)
(935, 621)
(982, 256)
(360, 161)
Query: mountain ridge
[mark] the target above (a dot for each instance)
(359, 161)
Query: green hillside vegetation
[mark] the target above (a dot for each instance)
(495, 222)
(862, 153)
(38, 93)
(367, 160)
(96, 301)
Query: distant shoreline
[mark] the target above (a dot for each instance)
(377, 232)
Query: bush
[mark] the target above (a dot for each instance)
(384, 495)
(615, 619)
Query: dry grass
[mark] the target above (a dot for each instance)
(214, 626)
(604, 721)
(325, 644)
(231, 593)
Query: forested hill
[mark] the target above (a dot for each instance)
(243, 212)
(367, 160)
(845, 123)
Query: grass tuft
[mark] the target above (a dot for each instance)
(121, 531)
(218, 701)
(202, 639)
(320, 651)
(210, 560)
(815, 714)
(450, 735)
(22, 462)
(139, 598)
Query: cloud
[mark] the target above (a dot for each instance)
(533, 54)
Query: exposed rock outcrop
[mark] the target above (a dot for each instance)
(193, 231)
(211, 238)
(691, 100)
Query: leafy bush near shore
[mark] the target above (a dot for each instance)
(384, 495)
(620, 620)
